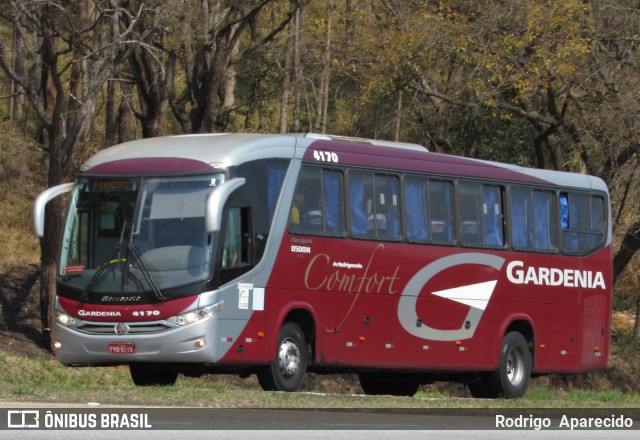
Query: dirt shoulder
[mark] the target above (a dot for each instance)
(20, 327)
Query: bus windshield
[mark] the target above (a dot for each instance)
(137, 234)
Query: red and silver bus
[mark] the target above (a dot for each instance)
(281, 254)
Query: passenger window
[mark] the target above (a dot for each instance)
(417, 210)
(582, 221)
(318, 205)
(544, 219)
(469, 214)
(492, 216)
(361, 204)
(374, 206)
(441, 209)
(521, 215)
(428, 210)
(533, 224)
(387, 215)
(480, 215)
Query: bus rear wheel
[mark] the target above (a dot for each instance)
(287, 371)
(144, 375)
(511, 379)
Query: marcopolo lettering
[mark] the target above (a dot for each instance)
(518, 273)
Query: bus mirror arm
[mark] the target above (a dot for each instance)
(216, 201)
(41, 202)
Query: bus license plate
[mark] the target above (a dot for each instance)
(122, 348)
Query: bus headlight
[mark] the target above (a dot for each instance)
(196, 315)
(64, 319)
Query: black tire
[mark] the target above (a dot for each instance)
(379, 384)
(287, 371)
(479, 389)
(144, 375)
(512, 377)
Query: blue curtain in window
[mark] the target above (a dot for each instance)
(492, 219)
(393, 220)
(564, 211)
(275, 178)
(358, 210)
(521, 227)
(448, 199)
(417, 211)
(332, 201)
(570, 240)
(541, 219)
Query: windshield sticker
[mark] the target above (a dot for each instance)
(70, 270)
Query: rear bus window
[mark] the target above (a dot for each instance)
(582, 221)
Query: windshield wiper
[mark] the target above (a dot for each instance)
(96, 276)
(115, 257)
(132, 249)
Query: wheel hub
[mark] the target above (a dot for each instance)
(515, 367)
(289, 358)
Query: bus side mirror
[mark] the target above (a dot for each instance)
(41, 202)
(216, 201)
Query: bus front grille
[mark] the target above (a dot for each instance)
(106, 329)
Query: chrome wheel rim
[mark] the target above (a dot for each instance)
(515, 367)
(289, 358)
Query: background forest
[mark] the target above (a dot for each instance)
(543, 83)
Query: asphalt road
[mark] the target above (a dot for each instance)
(281, 424)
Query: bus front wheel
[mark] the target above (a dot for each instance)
(286, 372)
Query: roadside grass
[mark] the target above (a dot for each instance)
(44, 380)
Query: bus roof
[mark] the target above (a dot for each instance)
(202, 152)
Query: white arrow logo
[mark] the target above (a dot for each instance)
(473, 295)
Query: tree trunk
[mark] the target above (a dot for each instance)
(297, 67)
(322, 104)
(49, 252)
(636, 324)
(286, 78)
(125, 116)
(398, 122)
(630, 245)
(16, 103)
(110, 127)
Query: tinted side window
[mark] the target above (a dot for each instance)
(318, 205)
(583, 222)
(469, 214)
(533, 224)
(374, 210)
(480, 214)
(428, 210)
